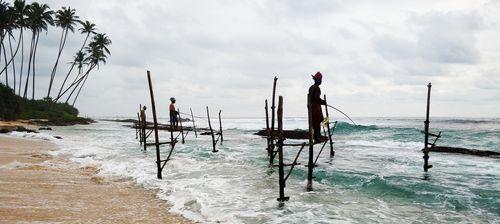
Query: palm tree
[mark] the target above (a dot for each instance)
(66, 18)
(98, 50)
(19, 11)
(39, 17)
(7, 25)
(79, 60)
(87, 28)
(4, 23)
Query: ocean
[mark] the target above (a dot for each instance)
(376, 175)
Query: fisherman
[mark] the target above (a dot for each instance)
(143, 122)
(173, 113)
(316, 102)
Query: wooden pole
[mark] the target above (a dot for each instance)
(194, 125)
(332, 153)
(310, 164)
(211, 131)
(220, 128)
(157, 145)
(281, 164)
(426, 130)
(138, 128)
(273, 116)
(268, 136)
(182, 130)
(143, 127)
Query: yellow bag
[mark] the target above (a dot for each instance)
(326, 121)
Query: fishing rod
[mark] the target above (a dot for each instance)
(342, 113)
(193, 115)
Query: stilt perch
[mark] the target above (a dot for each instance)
(268, 135)
(155, 124)
(157, 142)
(219, 134)
(281, 164)
(271, 133)
(310, 164)
(427, 133)
(280, 143)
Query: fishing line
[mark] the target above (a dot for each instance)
(342, 113)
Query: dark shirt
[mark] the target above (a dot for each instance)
(315, 94)
(143, 117)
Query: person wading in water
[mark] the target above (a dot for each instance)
(316, 102)
(173, 113)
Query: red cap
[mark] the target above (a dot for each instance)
(318, 75)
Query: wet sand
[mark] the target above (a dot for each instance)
(36, 187)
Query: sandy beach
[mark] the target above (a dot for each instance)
(37, 187)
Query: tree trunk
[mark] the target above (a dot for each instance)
(34, 58)
(22, 62)
(77, 94)
(25, 94)
(76, 82)
(15, 53)
(2, 46)
(54, 69)
(72, 66)
(13, 64)
(79, 81)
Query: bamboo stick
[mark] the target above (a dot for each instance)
(281, 171)
(310, 164)
(211, 131)
(194, 125)
(155, 124)
(426, 130)
(332, 153)
(220, 128)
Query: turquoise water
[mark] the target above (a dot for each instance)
(375, 177)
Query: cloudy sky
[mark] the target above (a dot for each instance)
(376, 56)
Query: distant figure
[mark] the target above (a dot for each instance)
(143, 123)
(316, 102)
(173, 113)
(143, 116)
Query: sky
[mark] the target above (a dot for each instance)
(376, 56)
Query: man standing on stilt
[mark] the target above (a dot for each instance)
(316, 102)
(173, 113)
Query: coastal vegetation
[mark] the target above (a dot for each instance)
(20, 20)
(45, 111)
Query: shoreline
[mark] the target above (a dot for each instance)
(38, 187)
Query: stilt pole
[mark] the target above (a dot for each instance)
(157, 145)
(279, 143)
(268, 136)
(220, 128)
(194, 125)
(332, 153)
(426, 130)
(310, 165)
(138, 128)
(143, 128)
(211, 131)
(273, 118)
(182, 129)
